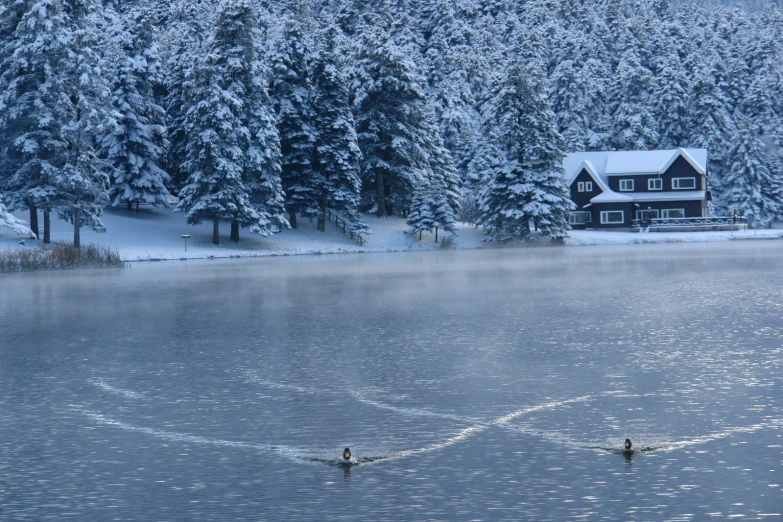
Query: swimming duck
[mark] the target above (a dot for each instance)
(346, 456)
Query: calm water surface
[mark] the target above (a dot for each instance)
(483, 385)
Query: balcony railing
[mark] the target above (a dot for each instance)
(692, 223)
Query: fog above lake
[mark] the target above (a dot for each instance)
(494, 384)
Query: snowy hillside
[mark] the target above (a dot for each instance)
(251, 113)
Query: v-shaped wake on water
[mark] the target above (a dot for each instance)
(473, 428)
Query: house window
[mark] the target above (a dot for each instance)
(588, 186)
(683, 183)
(626, 185)
(673, 213)
(655, 184)
(580, 186)
(584, 186)
(645, 215)
(612, 217)
(580, 217)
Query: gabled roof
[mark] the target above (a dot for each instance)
(588, 166)
(632, 162)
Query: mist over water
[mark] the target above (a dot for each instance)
(489, 385)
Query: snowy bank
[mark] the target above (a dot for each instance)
(156, 234)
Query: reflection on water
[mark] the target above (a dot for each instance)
(493, 385)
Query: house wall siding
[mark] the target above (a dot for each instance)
(691, 208)
(597, 208)
(581, 199)
(679, 169)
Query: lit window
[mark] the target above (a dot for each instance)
(609, 217)
(673, 213)
(683, 183)
(655, 184)
(626, 185)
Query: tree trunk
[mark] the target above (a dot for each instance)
(292, 220)
(77, 216)
(235, 231)
(34, 220)
(129, 203)
(215, 231)
(47, 229)
(137, 207)
(322, 215)
(436, 234)
(380, 195)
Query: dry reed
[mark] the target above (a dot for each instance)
(59, 255)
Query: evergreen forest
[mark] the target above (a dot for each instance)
(254, 113)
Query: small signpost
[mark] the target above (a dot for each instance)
(186, 237)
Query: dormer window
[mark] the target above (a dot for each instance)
(655, 184)
(626, 185)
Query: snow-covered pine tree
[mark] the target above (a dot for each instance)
(447, 182)
(390, 113)
(337, 154)
(530, 185)
(733, 30)
(567, 94)
(191, 25)
(488, 160)
(233, 150)
(33, 81)
(707, 120)
(670, 94)
(263, 157)
(137, 145)
(634, 126)
(422, 212)
(82, 182)
(436, 199)
(290, 91)
(750, 188)
(56, 102)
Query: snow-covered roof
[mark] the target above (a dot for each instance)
(574, 163)
(620, 163)
(608, 196)
(600, 165)
(632, 162)
(679, 195)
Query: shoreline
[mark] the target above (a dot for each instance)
(156, 235)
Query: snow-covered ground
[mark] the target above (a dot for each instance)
(156, 234)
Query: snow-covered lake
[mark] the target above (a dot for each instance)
(490, 384)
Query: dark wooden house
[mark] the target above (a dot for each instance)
(611, 189)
